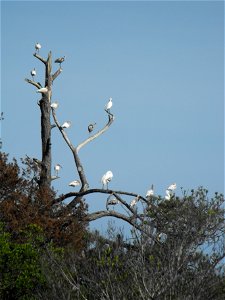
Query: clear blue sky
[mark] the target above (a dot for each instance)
(161, 62)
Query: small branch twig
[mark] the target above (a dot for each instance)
(91, 138)
(56, 74)
(36, 84)
(40, 58)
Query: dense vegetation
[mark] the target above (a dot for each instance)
(48, 253)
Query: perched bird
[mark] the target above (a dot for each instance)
(106, 178)
(57, 169)
(54, 105)
(33, 73)
(172, 187)
(91, 127)
(60, 60)
(74, 183)
(66, 124)
(134, 201)
(42, 90)
(168, 195)
(112, 202)
(150, 192)
(108, 105)
(53, 177)
(37, 47)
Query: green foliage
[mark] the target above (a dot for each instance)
(20, 267)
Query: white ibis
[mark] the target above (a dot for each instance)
(150, 192)
(134, 201)
(91, 127)
(108, 105)
(172, 187)
(54, 105)
(33, 73)
(74, 183)
(57, 168)
(42, 90)
(37, 47)
(60, 60)
(66, 124)
(106, 178)
(112, 202)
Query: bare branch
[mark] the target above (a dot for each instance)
(91, 191)
(79, 166)
(40, 58)
(36, 84)
(56, 74)
(91, 138)
(67, 140)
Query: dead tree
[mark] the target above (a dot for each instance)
(130, 216)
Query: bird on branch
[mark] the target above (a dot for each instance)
(60, 60)
(54, 105)
(106, 178)
(111, 202)
(108, 105)
(74, 183)
(33, 73)
(150, 192)
(57, 168)
(134, 201)
(42, 90)
(91, 127)
(169, 191)
(37, 47)
(66, 124)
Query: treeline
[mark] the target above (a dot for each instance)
(47, 252)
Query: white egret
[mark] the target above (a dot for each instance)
(74, 183)
(57, 168)
(134, 201)
(60, 60)
(112, 202)
(42, 90)
(54, 105)
(168, 195)
(33, 73)
(91, 127)
(106, 178)
(150, 192)
(172, 187)
(66, 124)
(37, 47)
(108, 105)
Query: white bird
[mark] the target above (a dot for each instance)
(37, 47)
(66, 124)
(60, 60)
(42, 90)
(172, 187)
(74, 183)
(91, 127)
(108, 105)
(53, 177)
(54, 105)
(57, 169)
(112, 202)
(134, 201)
(150, 192)
(33, 73)
(168, 195)
(106, 178)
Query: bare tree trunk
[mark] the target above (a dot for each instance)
(45, 177)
